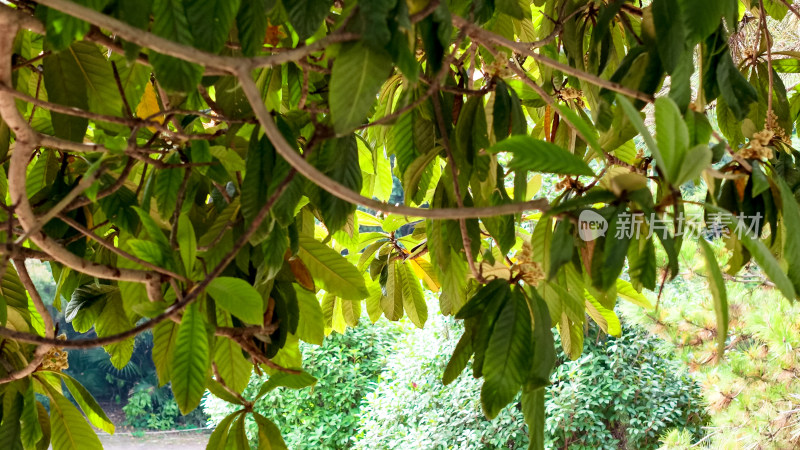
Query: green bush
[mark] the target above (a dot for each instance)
(411, 409)
(326, 416)
(621, 393)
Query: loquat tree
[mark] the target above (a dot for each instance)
(204, 168)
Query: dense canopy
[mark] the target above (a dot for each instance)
(237, 176)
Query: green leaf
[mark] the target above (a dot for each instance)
(540, 156)
(413, 298)
(338, 158)
(260, 164)
(251, 23)
(392, 302)
(150, 252)
(210, 22)
(66, 85)
(219, 437)
(358, 74)
(791, 223)
(164, 337)
(458, 362)
(187, 243)
(11, 427)
(152, 229)
(85, 305)
(626, 291)
(670, 32)
(638, 123)
(238, 297)
(69, 431)
(30, 429)
(672, 137)
(414, 174)
(716, 285)
(269, 436)
(287, 380)
(765, 259)
(191, 362)
(111, 321)
(605, 318)
(233, 367)
(93, 411)
(477, 304)
(101, 89)
(507, 357)
(700, 18)
(738, 93)
(588, 130)
(168, 185)
(788, 65)
(169, 21)
(311, 327)
(332, 270)
(306, 16)
(534, 414)
(61, 28)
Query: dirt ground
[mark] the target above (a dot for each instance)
(171, 441)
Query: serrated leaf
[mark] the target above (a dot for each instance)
(187, 243)
(413, 299)
(540, 156)
(232, 365)
(358, 74)
(508, 355)
(238, 297)
(339, 160)
(269, 435)
(164, 337)
(605, 318)
(219, 437)
(69, 431)
(66, 85)
(672, 136)
(306, 16)
(458, 361)
(93, 411)
(210, 22)
(332, 270)
(392, 302)
(170, 22)
(167, 187)
(10, 429)
(738, 93)
(251, 23)
(311, 327)
(191, 362)
(111, 321)
(626, 291)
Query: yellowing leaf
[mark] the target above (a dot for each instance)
(148, 106)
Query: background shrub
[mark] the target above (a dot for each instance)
(325, 416)
(621, 393)
(380, 388)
